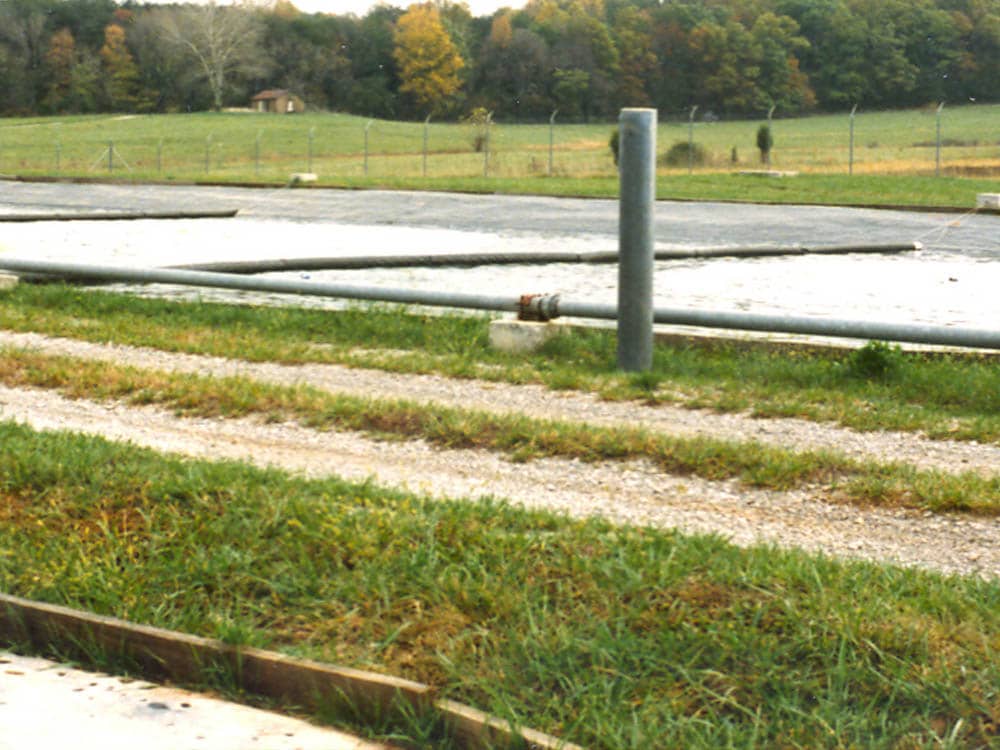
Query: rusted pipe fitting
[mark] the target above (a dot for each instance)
(538, 307)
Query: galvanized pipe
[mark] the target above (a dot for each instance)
(257, 284)
(975, 338)
(637, 169)
(540, 307)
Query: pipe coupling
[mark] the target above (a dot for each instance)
(539, 307)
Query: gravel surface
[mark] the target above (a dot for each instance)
(632, 492)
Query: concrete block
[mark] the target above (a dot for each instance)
(988, 200)
(7, 281)
(522, 336)
(302, 178)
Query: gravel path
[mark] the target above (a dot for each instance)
(633, 492)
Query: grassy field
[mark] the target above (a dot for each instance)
(248, 147)
(872, 388)
(611, 637)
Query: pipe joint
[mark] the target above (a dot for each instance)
(539, 307)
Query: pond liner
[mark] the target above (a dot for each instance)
(468, 260)
(118, 215)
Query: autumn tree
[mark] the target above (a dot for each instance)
(638, 61)
(60, 61)
(427, 58)
(513, 70)
(121, 75)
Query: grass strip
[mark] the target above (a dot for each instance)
(611, 637)
(520, 437)
(875, 388)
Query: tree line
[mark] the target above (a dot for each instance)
(584, 58)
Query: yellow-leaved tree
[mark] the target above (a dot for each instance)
(427, 58)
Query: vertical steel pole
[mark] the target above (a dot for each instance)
(309, 160)
(850, 155)
(208, 153)
(427, 124)
(111, 156)
(256, 154)
(691, 139)
(486, 148)
(58, 155)
(159, 156)
(552, 127)
(937, 157)
(637, 192)
(368, 125)
(770, 130)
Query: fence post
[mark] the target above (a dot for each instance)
(486, 146)
(256, 154)
(850, 153)
(691, 139)
(309, 161)
(770, 115)
(637, 192)
(367, 125)
(111, 156)
(937, 155)
(552, 127)
(58, 154)
(427, 124)
(159, 156)
(208, 152)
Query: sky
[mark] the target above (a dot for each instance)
(476, 7)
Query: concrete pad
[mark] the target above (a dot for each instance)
(522, 336)
(988, 200)
(43, 705)
(7, 281)
(301, 178)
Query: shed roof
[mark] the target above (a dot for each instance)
(270, 94)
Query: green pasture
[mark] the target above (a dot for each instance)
(611, 637)
(253, 147)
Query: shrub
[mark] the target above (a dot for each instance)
(679, 154)
(765, 141)
(876, 360)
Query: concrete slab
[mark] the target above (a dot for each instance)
(8, 281)
(521, 336)
(43, 704)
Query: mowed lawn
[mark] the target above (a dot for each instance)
(565, 159)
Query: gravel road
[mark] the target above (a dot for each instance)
(627, 492)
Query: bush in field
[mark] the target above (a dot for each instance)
(682, 153)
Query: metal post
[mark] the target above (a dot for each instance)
(637, 192)
(552, 127)
(770, 130)
(58, 154)
(309, 160)
(159, 156)
(368, 125)
(850, 153)
(937, 157)
(256, 154)
(427, 124)
(691, 139)
(486, 146)
(111, 156)
(208, 153)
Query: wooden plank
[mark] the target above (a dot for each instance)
(164, 654)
